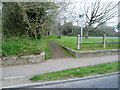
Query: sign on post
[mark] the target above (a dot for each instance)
(81, 16)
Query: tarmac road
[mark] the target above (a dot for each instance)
(101, 82)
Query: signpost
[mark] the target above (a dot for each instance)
(81, 34)
(81, 16)
(79, 37)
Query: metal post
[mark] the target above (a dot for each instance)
(78, 41)
(81, 35)
(104, 41)
(81, 16)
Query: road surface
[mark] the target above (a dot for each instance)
(101, 82)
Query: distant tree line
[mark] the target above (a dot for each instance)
(70, 30)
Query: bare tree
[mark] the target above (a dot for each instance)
(97, 13)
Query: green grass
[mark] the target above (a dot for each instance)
(71, 43)
(78, 72)
(26, 46)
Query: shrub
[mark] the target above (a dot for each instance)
(59, 37)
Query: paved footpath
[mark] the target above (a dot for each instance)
(26, 71)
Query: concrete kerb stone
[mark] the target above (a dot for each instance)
(79, 54)
(71, 51)
(60, 81)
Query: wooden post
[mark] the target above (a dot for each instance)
(104, 41)
(78, 41)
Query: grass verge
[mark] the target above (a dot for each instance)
(26, 46)
(70, 42)
(78, 72)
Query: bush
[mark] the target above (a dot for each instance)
(59, 37)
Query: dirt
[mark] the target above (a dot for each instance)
(57, 52)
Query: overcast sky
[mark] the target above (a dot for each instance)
(79, 3)
(76, 11)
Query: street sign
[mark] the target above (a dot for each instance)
(81, 16)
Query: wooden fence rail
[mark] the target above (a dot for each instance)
(100, 43)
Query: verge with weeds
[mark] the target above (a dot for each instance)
(26, 46)
(78, 72)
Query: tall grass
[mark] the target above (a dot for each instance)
(26, 46)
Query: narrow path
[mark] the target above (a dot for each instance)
(57, 52)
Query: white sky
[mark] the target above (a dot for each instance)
(76, 11)
(78, 4)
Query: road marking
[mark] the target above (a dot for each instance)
(6, 78)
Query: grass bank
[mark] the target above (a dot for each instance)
(70, 42)
(26, 46)
(78, 72)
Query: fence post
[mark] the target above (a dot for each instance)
(78, 41)
(104, 41)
